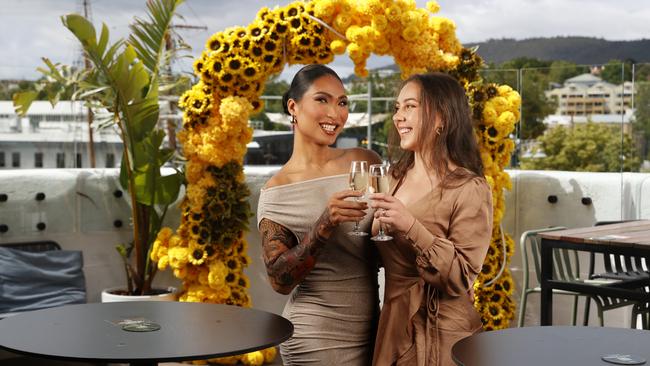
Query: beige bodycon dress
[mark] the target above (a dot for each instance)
(334, 309)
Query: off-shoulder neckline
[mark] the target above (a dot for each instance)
(303, 182)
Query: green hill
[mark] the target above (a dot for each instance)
(580, 50)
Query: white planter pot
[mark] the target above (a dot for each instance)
(108, 296)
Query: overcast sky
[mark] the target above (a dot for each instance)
(31, 29)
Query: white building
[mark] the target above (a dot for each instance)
(587, 97)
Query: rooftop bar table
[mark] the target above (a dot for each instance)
(142, 333)
(552, 345)
(629, 238)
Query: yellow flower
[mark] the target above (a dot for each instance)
(337, 46)
(178, 256)
(194, 170)
(410, 33)
(234, 109)
(433, 6)
(379, 22)
(269, 354)
(342, 22)
(198, 256)
(217, 274)
(354, 50)
(253, 358)
(500, 104)
(489, 113)
(505, 123)
(393, 13)
(324, 9)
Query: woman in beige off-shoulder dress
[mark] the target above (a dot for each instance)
(440, 215)
(304, 214)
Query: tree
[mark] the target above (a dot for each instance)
(612, 72)
(641, 72)
(586, 147)
(641, 123)
(560, 71)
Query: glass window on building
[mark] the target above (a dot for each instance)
(15, 160)
(2, 159)
(110, 160)
(78, 160)
(38, 160)
(60, 160)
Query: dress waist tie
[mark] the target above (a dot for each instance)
(420, 294)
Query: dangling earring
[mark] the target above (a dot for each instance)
(439, 130)
(293, 119)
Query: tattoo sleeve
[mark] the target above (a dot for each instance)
(288, 261)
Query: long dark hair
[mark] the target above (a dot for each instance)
(441, 96)
(303, 80)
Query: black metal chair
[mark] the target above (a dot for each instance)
(623, 268)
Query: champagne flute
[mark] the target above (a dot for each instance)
(358, 182)
(379, 184)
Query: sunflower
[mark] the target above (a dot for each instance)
(198, 256)
(233, 64)
(250, 71)
(243, 281)
(494, 310)
(258, 106)
(233, 264)
(256, 31)
(217, 43)
(232, 278)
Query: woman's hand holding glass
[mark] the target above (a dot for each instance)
(379, 183)
(392, 212)
(358, 182)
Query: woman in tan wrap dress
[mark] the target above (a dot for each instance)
(440, 215)
(304, 214)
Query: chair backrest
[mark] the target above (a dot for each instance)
(565, 262)
(618, 263)
(33, 246)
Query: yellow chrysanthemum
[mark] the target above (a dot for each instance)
(269, 354)
(178, 256)
(338, 46)
(433, 6)
(254, 358)
(342, 21)
(410, 33)
(393, 13)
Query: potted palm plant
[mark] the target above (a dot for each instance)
(124, 81)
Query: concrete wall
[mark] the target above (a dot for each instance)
(81, 208)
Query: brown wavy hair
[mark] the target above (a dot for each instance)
(441, 96)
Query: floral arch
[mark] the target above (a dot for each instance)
(208, 251)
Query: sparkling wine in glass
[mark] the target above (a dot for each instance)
(358, 182)
(379, 184)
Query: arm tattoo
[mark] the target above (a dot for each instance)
(288, 261)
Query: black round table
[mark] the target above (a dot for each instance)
(187, 331)
(552, 345)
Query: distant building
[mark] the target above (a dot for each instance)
(57, 137)
(587, 97)
(53, 137)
